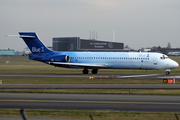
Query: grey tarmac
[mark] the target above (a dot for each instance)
(90, 86)
(161, 103)
(96, 76)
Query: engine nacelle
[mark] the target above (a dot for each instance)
(57, 58)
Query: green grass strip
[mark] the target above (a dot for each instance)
(43, 80)
(85, 114)
(95, 91)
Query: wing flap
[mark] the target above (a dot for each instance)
(79, 64)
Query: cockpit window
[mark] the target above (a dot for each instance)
(164, 57)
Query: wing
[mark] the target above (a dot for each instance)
(79, 64)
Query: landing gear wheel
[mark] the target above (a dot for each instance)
(167, 72)
(85, 71)
(94, 71)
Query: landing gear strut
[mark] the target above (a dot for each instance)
(85, 71)
(94, 71)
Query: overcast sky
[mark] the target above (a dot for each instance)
(137, 23)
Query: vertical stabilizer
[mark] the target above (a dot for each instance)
(33, 42)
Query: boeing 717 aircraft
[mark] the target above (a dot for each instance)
(96, 60)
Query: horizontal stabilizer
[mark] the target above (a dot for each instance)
(21, 36)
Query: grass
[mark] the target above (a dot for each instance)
(47, 80)
(95, 91)
(43, 68)
(29, 80)
(21, 64)
(85, 114)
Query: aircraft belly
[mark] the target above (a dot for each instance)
(144, 65)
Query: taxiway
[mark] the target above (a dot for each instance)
(168, 103)
(97, 76)
(163, 103)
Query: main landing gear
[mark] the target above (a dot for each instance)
(94, 71)
(86, 71)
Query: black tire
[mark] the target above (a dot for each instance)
(85, 71)
(94, 71)
(167, 72)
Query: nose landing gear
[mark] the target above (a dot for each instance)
(168, 72)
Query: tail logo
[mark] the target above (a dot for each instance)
(35, 49)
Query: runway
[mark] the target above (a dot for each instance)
(97, 76)
(91, 102)
(161, 103)
(90, 86)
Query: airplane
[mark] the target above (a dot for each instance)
(174, 53)
(96, 60)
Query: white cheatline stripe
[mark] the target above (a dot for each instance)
(138, 75)
(177, 76)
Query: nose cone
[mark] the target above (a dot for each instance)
(171, 64)
(177, 65)
(174, 64)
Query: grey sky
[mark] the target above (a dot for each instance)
(137, 23)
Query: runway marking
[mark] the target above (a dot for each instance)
(177, 76)
(77, 76)
(140, 75)
(115, 102)
(127, 76)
